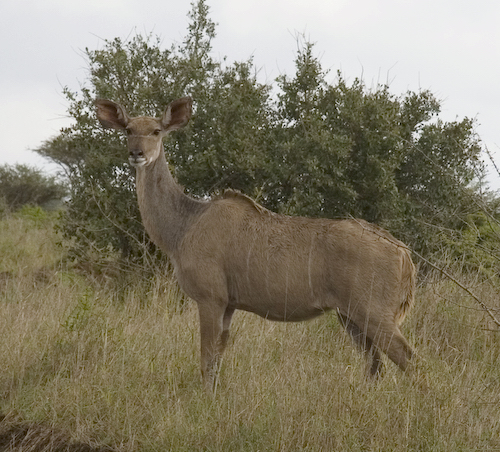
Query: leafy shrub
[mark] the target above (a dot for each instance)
(21, 185)
(303, 145)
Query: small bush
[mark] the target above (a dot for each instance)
(21, 185)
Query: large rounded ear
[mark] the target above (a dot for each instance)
(177, 114)
(111, 115)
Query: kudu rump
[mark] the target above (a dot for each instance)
(231, 253)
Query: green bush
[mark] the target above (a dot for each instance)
(23, 185)
(304, 145)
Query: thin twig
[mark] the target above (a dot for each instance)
(490, 155)
(459, 284)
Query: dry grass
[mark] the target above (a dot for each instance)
(121, 368)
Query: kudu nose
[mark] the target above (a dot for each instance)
(136, 153)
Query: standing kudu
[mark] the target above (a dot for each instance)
(231, 253)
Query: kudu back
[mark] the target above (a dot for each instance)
(231, 253)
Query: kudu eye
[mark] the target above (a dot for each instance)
(156, 132)
(128, 131)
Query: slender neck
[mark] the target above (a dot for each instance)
(167, 213)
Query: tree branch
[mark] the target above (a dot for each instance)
(459, 284)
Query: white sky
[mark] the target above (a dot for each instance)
(451, 47)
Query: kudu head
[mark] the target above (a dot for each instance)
(145, 134)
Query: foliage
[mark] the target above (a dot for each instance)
(475, 247)
(303, 146)
(21, 185)
(223, 147)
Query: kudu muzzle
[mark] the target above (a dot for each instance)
(142, 150)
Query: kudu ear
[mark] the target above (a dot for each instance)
(111, 115)
(177, 114)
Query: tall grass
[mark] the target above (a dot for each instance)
(120, 366)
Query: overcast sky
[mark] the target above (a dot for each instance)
(451, 47)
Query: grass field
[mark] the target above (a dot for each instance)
(106, 364)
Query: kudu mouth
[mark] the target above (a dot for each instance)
(143, 150)
(136, 158)
(137, 161)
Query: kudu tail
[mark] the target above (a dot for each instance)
(408, 282)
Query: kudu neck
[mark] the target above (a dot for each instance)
(166, 211)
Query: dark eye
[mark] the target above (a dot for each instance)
(128, 131)
(156, 132)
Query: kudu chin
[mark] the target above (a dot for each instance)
(231, 253)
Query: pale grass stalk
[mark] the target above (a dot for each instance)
(122, 369)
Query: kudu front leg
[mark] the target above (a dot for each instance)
(214, 332)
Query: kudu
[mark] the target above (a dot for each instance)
(231, 253)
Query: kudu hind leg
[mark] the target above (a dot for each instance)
(387, 337)
(365, 343)
(392, 342)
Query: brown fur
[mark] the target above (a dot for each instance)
(231, 253)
